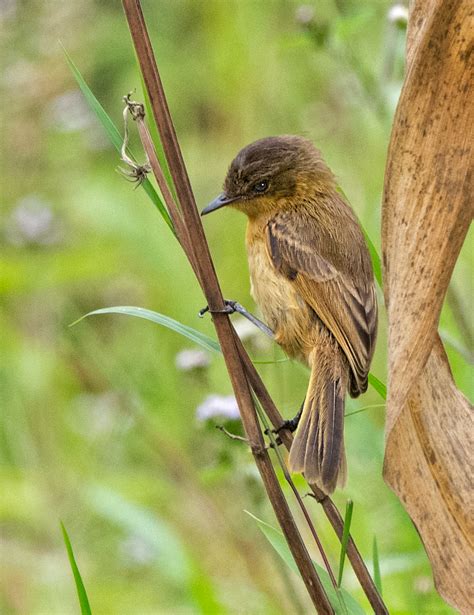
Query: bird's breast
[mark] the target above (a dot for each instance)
(282, 308)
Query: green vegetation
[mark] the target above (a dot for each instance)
(99, 424)
(81, 590)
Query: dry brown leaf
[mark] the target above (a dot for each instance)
(426, 214)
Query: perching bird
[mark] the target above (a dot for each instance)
(312, 277)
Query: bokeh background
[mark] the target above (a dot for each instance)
(107, 425)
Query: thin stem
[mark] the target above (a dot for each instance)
(329, 508)
(210, 285)
(364, 409)
(288, 479)
(175, 214)
(232, 436)
(236, 358)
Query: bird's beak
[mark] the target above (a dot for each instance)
(218, 202)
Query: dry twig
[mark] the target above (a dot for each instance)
(242, 373)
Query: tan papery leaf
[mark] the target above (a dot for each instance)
(427, 210)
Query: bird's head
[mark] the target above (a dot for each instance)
(267, 174)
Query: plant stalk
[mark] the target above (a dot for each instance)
(208, 279)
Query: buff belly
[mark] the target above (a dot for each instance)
(282, 308)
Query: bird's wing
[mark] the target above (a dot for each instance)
(344, 301)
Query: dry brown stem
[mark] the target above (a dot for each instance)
(241, 370)
(200, 258)
(426, 213)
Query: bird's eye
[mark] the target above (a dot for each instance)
(261, 186)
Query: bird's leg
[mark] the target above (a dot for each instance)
(290, 424)
(234, 306)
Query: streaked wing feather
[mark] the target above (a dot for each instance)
(294, 249)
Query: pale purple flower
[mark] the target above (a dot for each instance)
(423, 584)
(69, 112)
(192, 358)
(218, 406)
(137, 552)
(304, 14)
(248, 332)
(32, 222)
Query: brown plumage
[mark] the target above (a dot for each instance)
(312, 277)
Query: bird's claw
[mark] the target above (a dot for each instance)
(229, 308)
(278, 440)
(234, 306)
(290, 425)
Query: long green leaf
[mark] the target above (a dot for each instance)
(81, 590)
(374, 255)
(345, 539)
(155, 135)
(115, 136)
(364, 409)
(466, 353)
(377, 575)
(196, 336)
(192, 334)
(378, 385)
(278, 542)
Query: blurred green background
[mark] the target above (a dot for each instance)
(99, 425)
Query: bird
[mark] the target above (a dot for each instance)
(311, 276)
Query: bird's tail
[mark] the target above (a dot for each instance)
(318, 447)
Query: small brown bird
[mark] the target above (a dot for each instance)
(312, 277)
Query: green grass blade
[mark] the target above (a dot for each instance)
(364, 409)
(114, 135)
(272, 362)
(378, 385)
(377, 575)
(103, 117)
(374, 255)
(196, 336)
(192, 334)
(468, 355)
(345, 539)
(81, 590)
(155, 136)
(341, 607)
(158, 203)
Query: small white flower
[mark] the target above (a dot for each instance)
(100, 414)
(192, 358)
(398, 15)
(245, 329)
(248, 332)
(218, 406)
(423, 584)
(304, 14)
(70, 113)
(32, 222)
(136, 551)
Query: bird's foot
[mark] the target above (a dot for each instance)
(290, 425)
(229, 308)
(234, 306)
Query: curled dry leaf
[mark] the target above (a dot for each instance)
(427, 210)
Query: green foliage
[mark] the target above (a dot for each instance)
(115, 137)
(377, 574)
(346, 606)
(376, 262)
(81, 590)
(345, 539)
(378, 385)
(192, 334)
